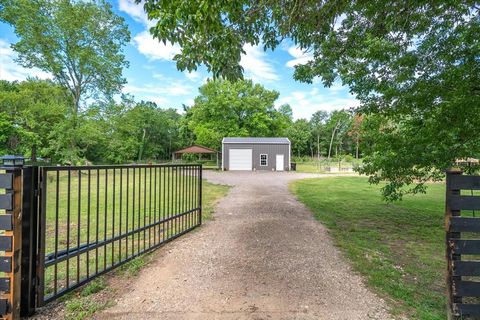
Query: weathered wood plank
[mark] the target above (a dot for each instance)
(464, 224)
(464, 202)
(466, 268)
(466, 289)
(465, 246)
(6, 181)
(6, 201)
(467, 309)
(458, 182)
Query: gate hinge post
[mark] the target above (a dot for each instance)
(10, 294)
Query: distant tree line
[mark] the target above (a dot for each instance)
(36, 121)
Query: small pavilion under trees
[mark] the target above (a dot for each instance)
(195, 149)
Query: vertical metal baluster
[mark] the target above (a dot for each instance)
(175, 226)
(105, 212)
(190, 189)
(161, 204)
(180, 204)
(200, 194)
(97, 226)
(78, 222)
(164, 211)
(121, 214)
(175, 211)
(187, 197)
(88, 222)
(169, 202)
(68, 230)
(150, 209)
(57, 192)
(126, 213)
(184, 197)
(194, 195)
(144, 208)
(139, 207)
(155, 208)
(133, 213)
(180, 187)
(179, 201)
(113, 219)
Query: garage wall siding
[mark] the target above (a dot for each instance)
(270, 149)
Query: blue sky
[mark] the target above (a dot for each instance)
(152, 74)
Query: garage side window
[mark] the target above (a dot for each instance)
(263, 160)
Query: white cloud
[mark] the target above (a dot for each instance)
(305, 103)
(11, 71)
(154, 49)
(162, 95)
(135, 11)
(160, 101)
(337, 86)
(255, 65)
(193, 76)
(189, 102)
(300, 57)
(173, 88)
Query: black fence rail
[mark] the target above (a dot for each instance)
(462, 224)
(93, 219)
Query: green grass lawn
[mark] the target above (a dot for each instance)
(398, 247)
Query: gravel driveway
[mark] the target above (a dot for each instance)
(262, 257)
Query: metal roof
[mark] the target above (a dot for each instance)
(261, 140)
(196, 149)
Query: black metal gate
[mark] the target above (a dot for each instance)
(81, 222)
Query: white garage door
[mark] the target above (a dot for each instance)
(240, 159)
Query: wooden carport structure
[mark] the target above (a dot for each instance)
(195, 149)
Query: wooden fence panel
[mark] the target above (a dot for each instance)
(461, 250)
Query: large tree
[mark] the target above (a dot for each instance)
(235, 109)
(78, 42)
(416, 64)
(33, 109)
(299, 133)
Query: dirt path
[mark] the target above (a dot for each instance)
(262, 257)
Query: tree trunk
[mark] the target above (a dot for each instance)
(33, 156)
(356, 151)
(142, 145)
(331, 142)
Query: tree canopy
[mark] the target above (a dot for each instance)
(235, 109)
(32, 110)
(415, 67)
(78, 42)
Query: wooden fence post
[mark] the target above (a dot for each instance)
(450, 255)
(11, 239)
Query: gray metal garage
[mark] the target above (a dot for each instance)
(256, 154)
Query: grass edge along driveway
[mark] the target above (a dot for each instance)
(397, 247)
